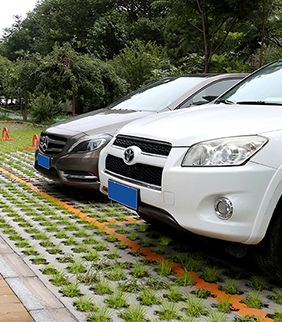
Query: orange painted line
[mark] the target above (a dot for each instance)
(236, 300)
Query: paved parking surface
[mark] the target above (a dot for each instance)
(11, 309)
(100, 262)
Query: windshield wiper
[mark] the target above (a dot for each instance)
(258, 103)
(224, 101)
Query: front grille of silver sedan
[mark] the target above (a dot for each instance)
(51, 144)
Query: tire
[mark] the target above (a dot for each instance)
(269, 253)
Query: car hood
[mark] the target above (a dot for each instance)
(187, 127)
(96, 122)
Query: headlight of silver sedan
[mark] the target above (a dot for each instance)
(229, 151)
(90, 144)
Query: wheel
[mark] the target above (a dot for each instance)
(269, 252)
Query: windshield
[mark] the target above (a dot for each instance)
(159, 95)
(262, 87)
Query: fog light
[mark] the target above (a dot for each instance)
(223, 208)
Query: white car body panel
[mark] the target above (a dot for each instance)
(189, 193)
(187, 127)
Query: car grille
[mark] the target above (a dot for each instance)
(148, 174)
(51, 144)
(146, 145)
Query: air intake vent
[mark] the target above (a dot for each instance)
(139, 172)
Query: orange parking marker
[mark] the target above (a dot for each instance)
(34, 144)
(5, 135)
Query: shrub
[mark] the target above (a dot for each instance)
(44, 108)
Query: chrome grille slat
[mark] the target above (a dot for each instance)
(56, 142)
(57, 150)
(51, 144)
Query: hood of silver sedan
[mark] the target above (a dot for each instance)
(96, 122)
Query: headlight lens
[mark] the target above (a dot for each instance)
(223, 152)
(90, 144)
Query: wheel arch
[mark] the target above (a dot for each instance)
(268, 210)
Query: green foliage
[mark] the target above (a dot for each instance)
(98, 27)
(141, 62)
(216, 316)
(277, 316)
(202, 293)
(71, 290)
(224, 305)
(231, 286)
(134, 314)
(6, 68)
(277, 296)
(253, 299)
(87, 82)
(89, 53)
(85, 303)
(117, 300)
(168, 311)
(195, 307)
(44, 107)
(148, 297)
(210, 274)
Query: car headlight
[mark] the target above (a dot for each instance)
(230, 151)
(90, 144)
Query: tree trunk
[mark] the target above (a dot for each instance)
(205, 31)
(73, 105)
(24, 111)
(263, 34)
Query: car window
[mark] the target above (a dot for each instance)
(210, 92)
(263, 86)
(158, 96)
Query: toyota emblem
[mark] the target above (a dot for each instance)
(128, 155)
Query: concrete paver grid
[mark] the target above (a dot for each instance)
(60, 199)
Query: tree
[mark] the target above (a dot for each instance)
(24, 80)
(6, 69)
(88, 82)
(140, 62)
(203, 26)
(97, 27)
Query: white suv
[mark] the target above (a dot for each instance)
(215, 171)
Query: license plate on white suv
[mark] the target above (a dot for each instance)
(123, 194)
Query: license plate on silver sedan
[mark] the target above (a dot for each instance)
(44, 161)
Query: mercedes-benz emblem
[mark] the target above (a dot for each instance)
(44, 143)
(128, 155)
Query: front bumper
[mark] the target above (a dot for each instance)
(79, 170)
(188, 195)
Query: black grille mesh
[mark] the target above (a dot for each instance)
(146, 145)
(141, 172)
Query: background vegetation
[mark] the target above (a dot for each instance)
(90, 52)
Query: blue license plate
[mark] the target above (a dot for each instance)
(123, 194)
(43, 161)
